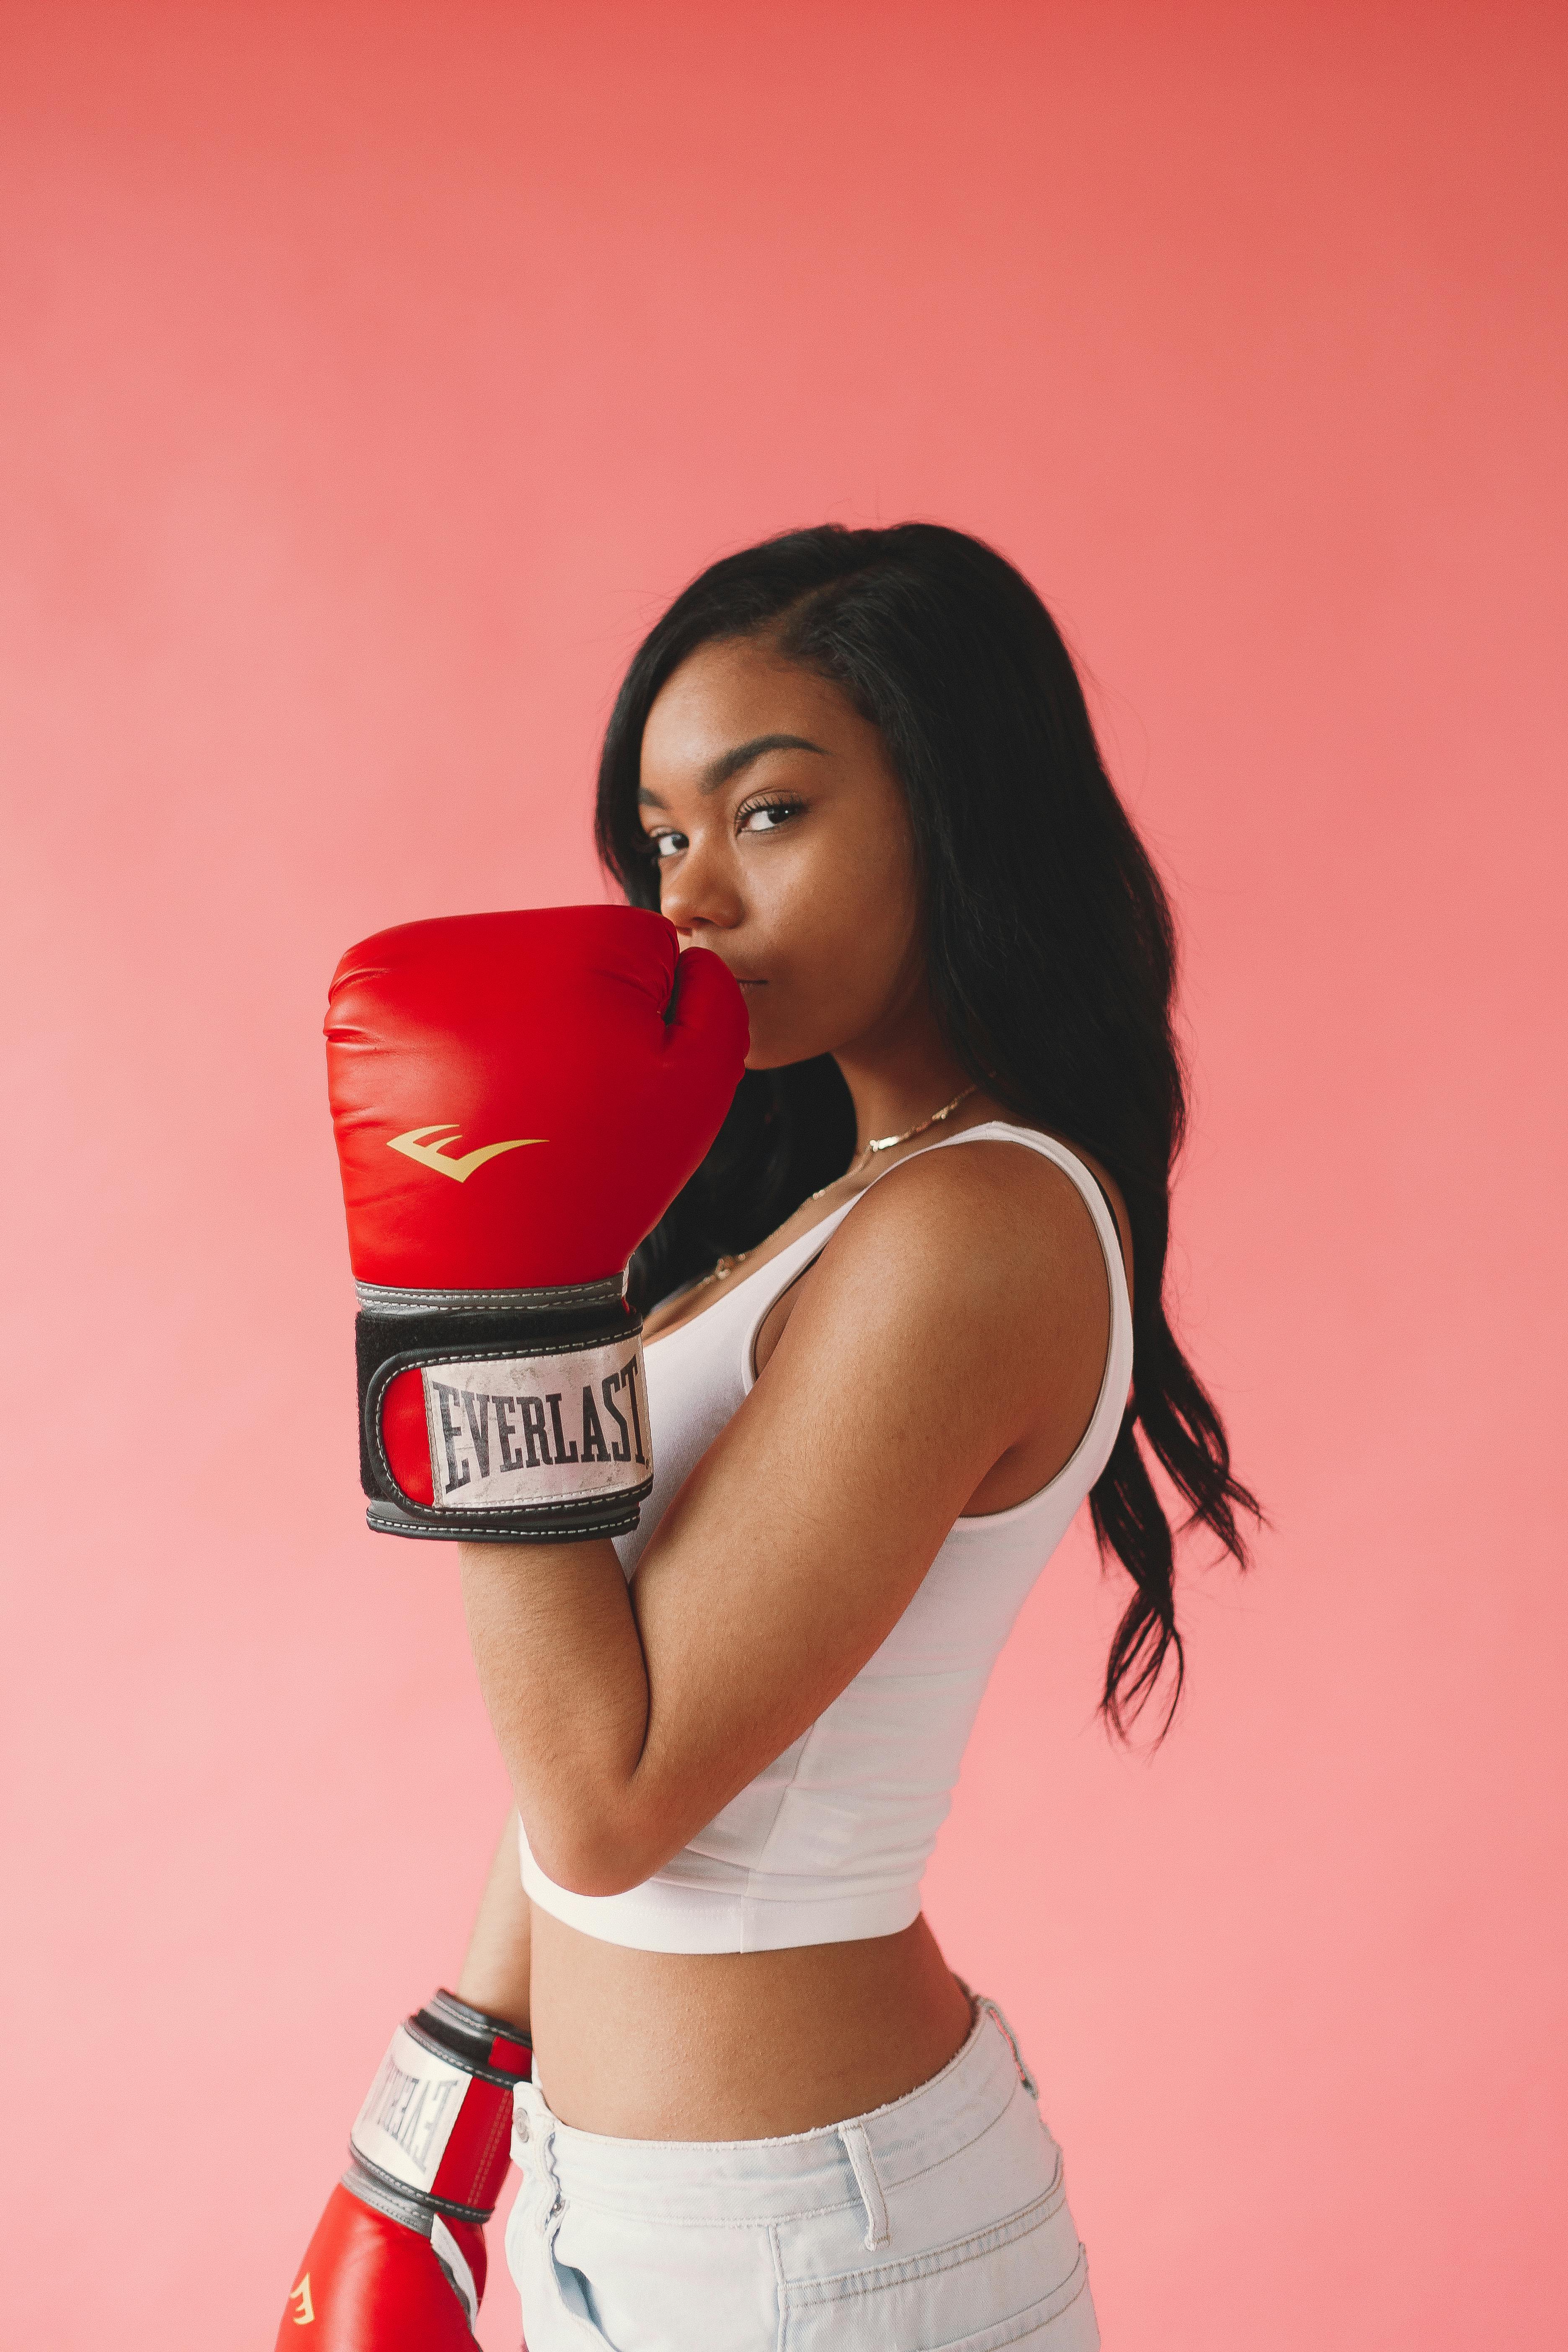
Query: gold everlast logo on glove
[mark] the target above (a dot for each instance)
(433, 1155)
(540, 1430)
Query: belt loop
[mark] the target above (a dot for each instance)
(1025, 2076)
(857, 2149)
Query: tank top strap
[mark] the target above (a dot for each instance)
(1078, 1172)
(792, 1262)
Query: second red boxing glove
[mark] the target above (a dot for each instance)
(517, 1099)
(397, 2260)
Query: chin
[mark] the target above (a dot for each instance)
(775, 1046)
(768, 1056)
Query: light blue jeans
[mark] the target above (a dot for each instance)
(936, 2224)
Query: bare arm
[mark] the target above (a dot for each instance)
(495, 1975)
(962, 1310)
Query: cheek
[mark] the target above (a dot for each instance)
(841, 928)
(871, 900)
(840, 908)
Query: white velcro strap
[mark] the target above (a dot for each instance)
(449, 2254)
(405, 2124)
(511, 1430)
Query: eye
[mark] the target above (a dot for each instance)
(767, 817)
(668, 844)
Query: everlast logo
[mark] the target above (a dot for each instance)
(406, 2121)
(411, 2111)
(536, 1430)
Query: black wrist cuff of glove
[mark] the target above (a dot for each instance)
(487, 2045)
(525, 1409)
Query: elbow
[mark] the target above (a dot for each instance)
(591, 1857)
(590, 1870)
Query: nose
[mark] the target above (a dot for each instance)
(700, 893)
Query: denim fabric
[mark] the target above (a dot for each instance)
(936, 2224)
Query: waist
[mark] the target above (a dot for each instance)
(642, 2045)
(758, 2177)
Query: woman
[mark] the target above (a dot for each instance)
(894, 1323)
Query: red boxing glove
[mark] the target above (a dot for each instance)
(517, 1098)
(397, 2261)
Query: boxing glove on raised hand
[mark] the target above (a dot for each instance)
(517, 1098)
(397, 2261)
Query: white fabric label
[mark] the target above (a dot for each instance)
(405, 2124)
(449, 2254)
(537, 1429)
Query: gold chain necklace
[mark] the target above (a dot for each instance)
(862, 1159)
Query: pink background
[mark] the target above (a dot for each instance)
(372, 376)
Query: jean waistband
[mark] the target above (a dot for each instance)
(769, 2179)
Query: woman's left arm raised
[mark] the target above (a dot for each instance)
(959, 1315)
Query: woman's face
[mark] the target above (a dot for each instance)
(784, 845)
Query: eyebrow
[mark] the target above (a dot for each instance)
(719, 772)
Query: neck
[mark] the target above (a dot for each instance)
(897, 1082)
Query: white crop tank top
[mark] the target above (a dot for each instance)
(830, 1842)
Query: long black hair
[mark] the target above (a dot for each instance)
(1051, 947)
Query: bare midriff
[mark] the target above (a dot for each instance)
(737, 2045)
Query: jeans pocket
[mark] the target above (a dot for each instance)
(995, 2287)
(1062, 2321)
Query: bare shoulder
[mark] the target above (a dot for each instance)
(987, 1212)
(968, 1252)
(970, 1283)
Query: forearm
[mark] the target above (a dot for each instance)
(560, 1665)
(495, 1974)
